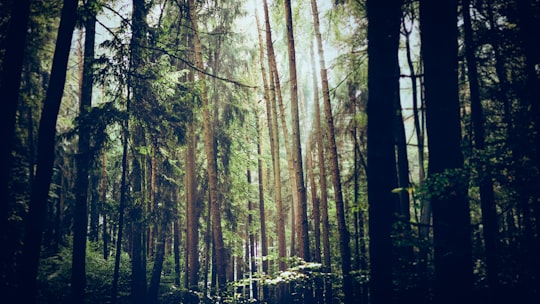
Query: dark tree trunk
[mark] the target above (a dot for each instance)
(487, 196)
(80, 217)
(383, 71)
(138, 86)
(121, 208)
(10, 81)
(34, 220)
(451, 218)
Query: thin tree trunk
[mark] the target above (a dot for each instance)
(103, 199)
(271, 114)
(303, 243)
(121, 207)
(327, 266)
(252, 264)
(29, 259)
(80, 217)
(487, 196)
(262, 213)
(217, 233)
(192, 213)
(343, 231)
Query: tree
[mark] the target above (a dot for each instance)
(78, 274)
(487, 195)
(343, 231)
(451, 219)
(29, 260)
(296, 147)
(10, 81)
(383, 73)
(217, 232)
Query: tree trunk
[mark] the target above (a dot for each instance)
(252, 264)
(80, 217)
(29, 259)
(10, 81)
(487, 196)
(271, 115)
(451, 218)
(343, 231)
(262, 213)
(138, 86)
(217, 233)
(303, 243)
(192, 213)
(383, 35)
(121, 208)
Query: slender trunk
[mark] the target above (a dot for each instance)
(271, 114)
(217, 233)
(252, 265)
(192, 214)
(29, 259)
(162, 233)
(121, 208)
(103, 199)
(327, 267)
(80, 217)
(343, 231)
(487, 196)
(262, 213)
(303, 243)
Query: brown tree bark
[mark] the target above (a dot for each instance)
(303, 243)
(192, 213)
(271, 113)
(217, 233)
(343, 231)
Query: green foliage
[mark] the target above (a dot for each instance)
(448, 183)
(55, 275)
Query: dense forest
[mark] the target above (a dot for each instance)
(225, 151)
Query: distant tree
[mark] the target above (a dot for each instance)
(344, 236)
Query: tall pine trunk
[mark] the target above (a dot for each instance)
(487, 196)
(217, 232)
(80, 217)
(34, 220)
(303, 243)
(451, 218)
(383, 35)
(192, 213)
(343, 231)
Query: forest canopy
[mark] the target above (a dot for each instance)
(307, 151)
